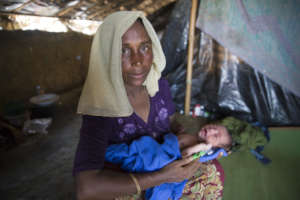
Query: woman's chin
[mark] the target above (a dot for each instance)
(136, 83)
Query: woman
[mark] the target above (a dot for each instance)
(123, 99)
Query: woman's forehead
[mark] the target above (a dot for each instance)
(137, 30)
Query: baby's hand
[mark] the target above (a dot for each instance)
(195, 149)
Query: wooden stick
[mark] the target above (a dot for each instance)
(189, 70)
(22, 6)
(69, 9)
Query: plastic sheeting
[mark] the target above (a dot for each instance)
(175, 37)
(224, 84)
(264, 33)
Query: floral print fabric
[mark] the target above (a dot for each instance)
(206, 184)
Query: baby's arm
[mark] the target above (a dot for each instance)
(190, 144)
(195, 149)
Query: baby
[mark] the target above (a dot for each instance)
(210, 136)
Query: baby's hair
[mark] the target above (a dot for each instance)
(227, 147)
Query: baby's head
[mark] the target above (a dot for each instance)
(216, 135)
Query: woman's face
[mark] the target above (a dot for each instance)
(216, 135)
(136, 55)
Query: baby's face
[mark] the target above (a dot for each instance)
(216, 135)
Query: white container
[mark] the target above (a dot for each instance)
(198, 110)
(44, 99)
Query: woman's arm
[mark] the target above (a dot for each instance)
(107, 184)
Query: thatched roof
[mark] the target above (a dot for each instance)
(79, 9)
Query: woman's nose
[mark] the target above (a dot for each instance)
(136, 59)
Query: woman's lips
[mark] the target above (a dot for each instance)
(137, 76)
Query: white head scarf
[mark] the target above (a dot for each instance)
(104, 92)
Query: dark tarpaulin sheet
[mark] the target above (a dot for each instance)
(223, 83)
(175, 37)
(264, 33)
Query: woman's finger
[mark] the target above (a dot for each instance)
(192, 167)
(185, 161)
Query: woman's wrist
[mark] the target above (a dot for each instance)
(137, 184)
(148, 180)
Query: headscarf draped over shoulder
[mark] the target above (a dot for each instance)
(104, 92)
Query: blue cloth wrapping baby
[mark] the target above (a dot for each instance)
(146, 155)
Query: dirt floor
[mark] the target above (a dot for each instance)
(41, 167)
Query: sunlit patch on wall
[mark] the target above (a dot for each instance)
(49, 24)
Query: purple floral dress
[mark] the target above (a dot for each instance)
(98, 132)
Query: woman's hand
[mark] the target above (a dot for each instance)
(180, 170)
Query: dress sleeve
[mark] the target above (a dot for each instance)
(90, 153)
(166, 94)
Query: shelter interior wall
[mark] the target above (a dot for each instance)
(58, 62)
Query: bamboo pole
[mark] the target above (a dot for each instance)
(189, 70)
(22, 6)
(69, 9)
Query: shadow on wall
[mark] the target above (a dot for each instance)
(57, 62)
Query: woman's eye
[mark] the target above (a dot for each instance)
(145, 48)
(125, 51)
